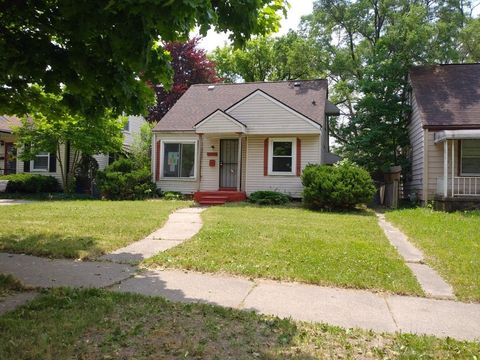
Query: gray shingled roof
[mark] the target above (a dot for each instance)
(7, 123)
(198, 101)
(448, 96)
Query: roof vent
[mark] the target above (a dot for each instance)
(296, 84)
(211, 87)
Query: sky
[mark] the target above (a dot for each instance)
(298, 8)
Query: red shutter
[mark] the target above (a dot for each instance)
(299, 157)
(157, 157)
(265, 157)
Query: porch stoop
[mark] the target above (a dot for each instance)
(218, 197)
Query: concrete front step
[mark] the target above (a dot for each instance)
(218, 197)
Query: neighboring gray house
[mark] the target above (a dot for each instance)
(45, 163)
(224, 141)
(445, 135)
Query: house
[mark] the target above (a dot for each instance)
(45, 163)
(222, 142)
(444, 132)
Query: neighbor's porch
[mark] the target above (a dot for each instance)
(460, 183)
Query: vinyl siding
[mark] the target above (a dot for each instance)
(209, 176)
(135, 123)
(263, 116)
(102, 161)
(416, 134)
(219, 123)
(291, 185)
(186, 186)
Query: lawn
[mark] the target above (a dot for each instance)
(451, 243)
(94, 324)
(81, 228)
(291, 243)
(9, 285)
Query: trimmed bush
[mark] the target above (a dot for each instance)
(268, 198)
(173, 195)
(122, 181)
(31, 183)
(342, 186)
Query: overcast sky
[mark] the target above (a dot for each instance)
(298, 8)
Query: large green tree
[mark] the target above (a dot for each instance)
(101, 55)
(367, 47)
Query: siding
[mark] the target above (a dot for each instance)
(435, 164)
(209, 175)
(102, 160)
(263, 116)
(186, 186)
(255, 180)
(415, 133)
(135, 123)
(219, 123)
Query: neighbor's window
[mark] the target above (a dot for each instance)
(179, 160)
(40, 163)
(282, 156)
(126, 127)
(470, 157)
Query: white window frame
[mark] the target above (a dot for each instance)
(195, 164)
(461, 160)
(270, 156)
(32, 163)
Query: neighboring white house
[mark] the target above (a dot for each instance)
(219, 140)
(46, 163)
(444, 132)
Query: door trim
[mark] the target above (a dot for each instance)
(236, 187)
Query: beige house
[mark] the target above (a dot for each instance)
(224, 141)
(445, 135)
(46, 163)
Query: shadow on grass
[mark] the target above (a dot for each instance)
(50, 244)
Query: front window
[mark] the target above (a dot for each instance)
(470, 157)
(179, 159)
(40, 162)
(282, 156)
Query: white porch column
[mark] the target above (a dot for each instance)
(445, 168)
(453, 167)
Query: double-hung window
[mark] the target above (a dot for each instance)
(41, 161)
(282, 156)
(178, 159)
(470, 165)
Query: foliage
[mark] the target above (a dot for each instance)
(343, 186)
(8, 285)
(141, 148)
(173, 195)
(268, 198)
(85, 174)
(124, 180)
(104, 54)
(51, 126)
(288, 57)
(30, 183)
(366, 48)
(190, 66)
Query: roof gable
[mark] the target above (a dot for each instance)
(308, 99)
(447, 96)
(219, 122)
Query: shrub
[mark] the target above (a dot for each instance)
(342, 186)
(123, 181)
(31, 183)
(268, 198)
(173, 195)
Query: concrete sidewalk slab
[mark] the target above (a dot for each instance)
(189, 287)
(341, 307)
(442, 318)
(13, 301)
(139, 251)
(431, 282)
(40, 272)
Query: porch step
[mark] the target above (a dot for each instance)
(218, 197)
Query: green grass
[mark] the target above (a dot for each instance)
(451, 243)
(9, 285)
(80, 229)
(285, 243)
(94, 324)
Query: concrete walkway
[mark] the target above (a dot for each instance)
(4, 202)
(431, 282)
(180, 226)
(13, 301)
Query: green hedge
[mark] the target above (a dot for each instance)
(268, 198)
(123, 181)
(342, 186)
(31, 183)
